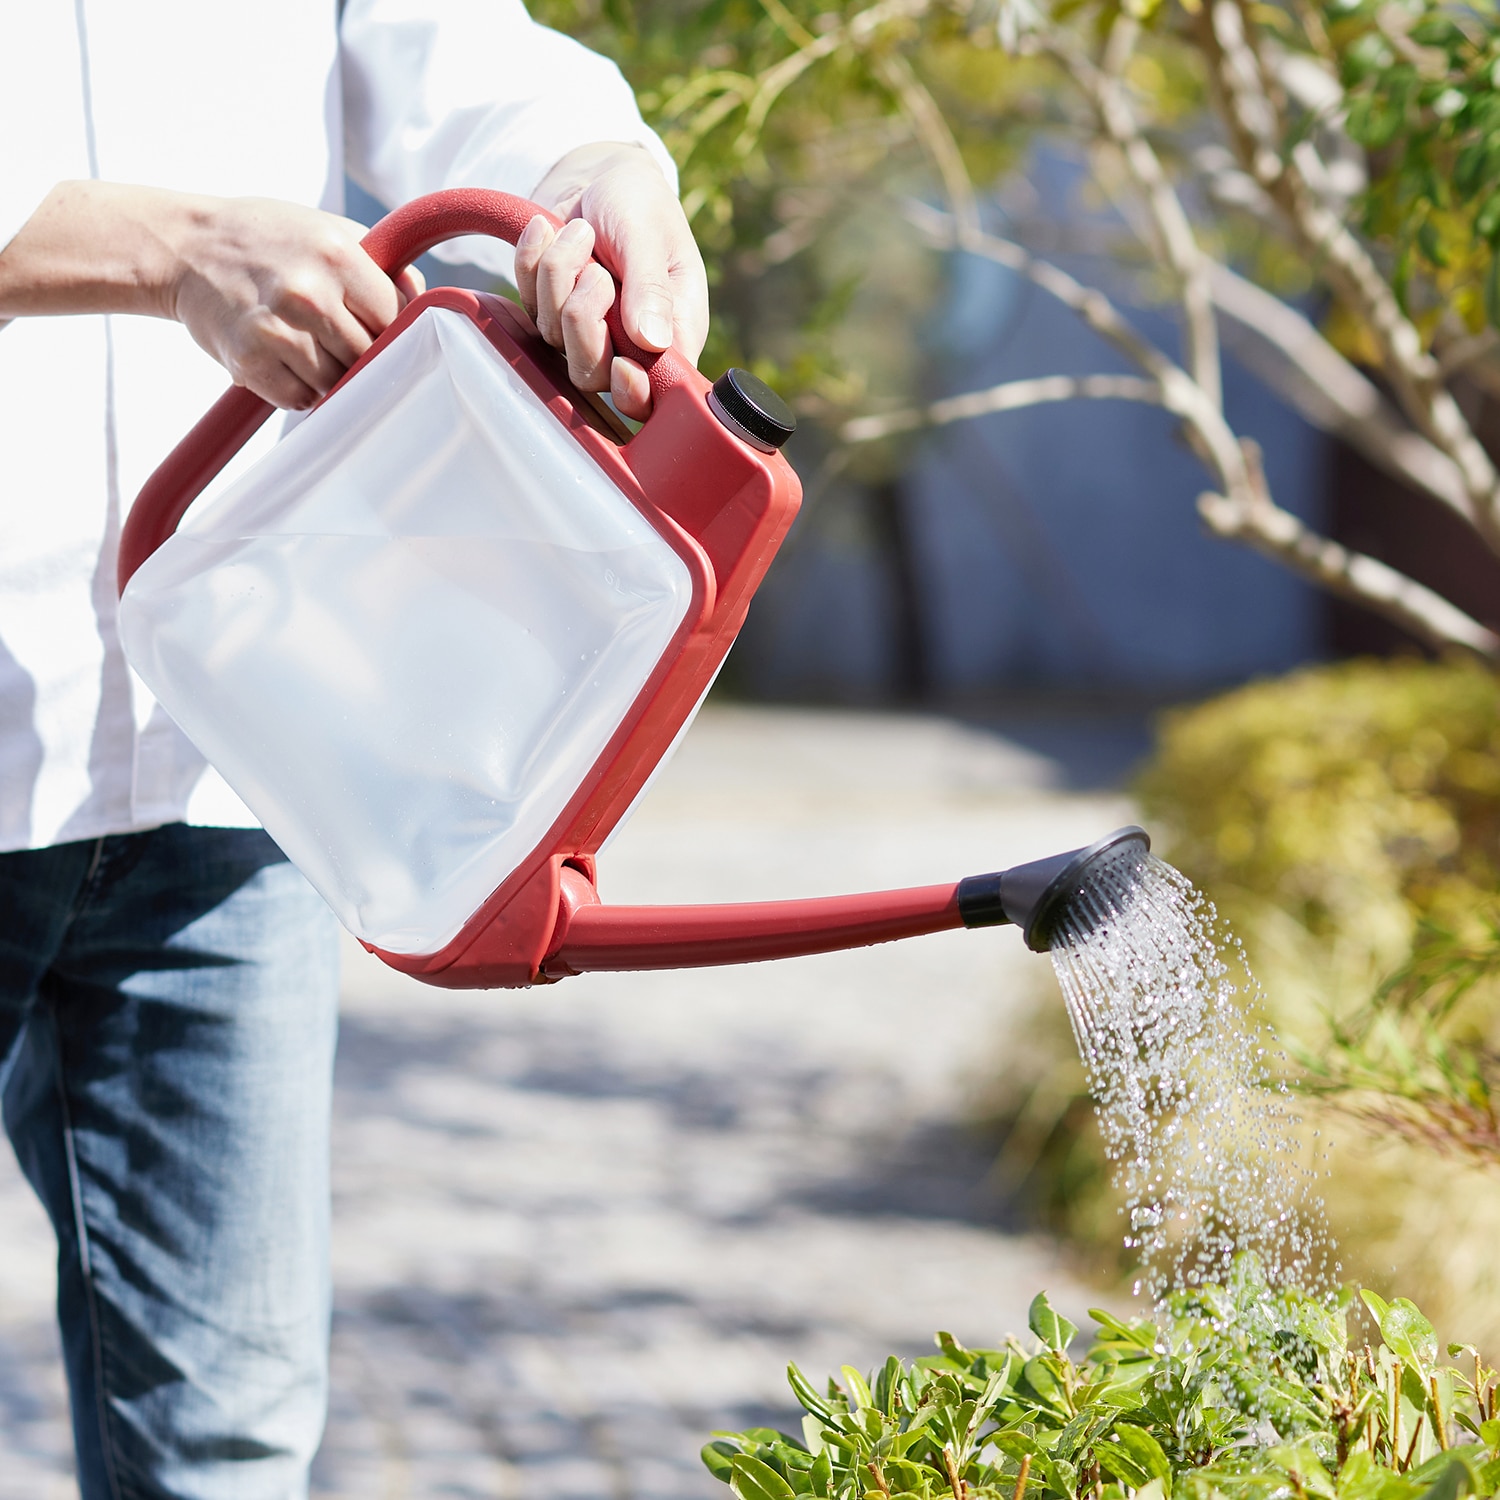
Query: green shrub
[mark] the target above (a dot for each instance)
(1354, 800)
(1346, 821)
(1241, 1392)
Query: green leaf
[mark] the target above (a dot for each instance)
(859, 1392)
(821, 1475)
(716, 1458)
(1014, 1443)
(1048, 1325)
(1408, 1334)
(995, 1385)
(1487, 220)
(1142, 1335)
(1145, 1451)
(952, 1348)
(1299, 1460)
(751, 1479)
(1453, 1481)
(1043, 1380)
(1362, 1478)
(1490, 1432)
(803, 1390)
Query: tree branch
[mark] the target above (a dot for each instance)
(1284, 348)
(1257, 132)
(1180, 393)
(1010, 395)
(1110, 99)
(1279, 535)
(1244, 510)
(937, 139)
(941, 230)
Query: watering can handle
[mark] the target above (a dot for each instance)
(396, 241)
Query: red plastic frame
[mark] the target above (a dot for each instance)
(725, 507)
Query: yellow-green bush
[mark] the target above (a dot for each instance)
(1333, 812)
(1346, 820)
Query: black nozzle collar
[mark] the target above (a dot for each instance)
(1034, 896)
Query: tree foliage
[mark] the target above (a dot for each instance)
(1250, 148)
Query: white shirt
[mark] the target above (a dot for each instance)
(274, 100)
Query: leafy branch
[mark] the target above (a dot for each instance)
(1357, 141)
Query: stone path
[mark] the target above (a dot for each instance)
(576, 1229)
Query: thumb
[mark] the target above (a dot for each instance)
(646, 305)
(641, 259)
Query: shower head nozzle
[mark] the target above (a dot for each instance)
(1036, 896)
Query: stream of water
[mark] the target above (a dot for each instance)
(1204, 1144)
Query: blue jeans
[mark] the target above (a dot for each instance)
(168, 1006)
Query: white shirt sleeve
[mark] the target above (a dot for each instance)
(473, 93)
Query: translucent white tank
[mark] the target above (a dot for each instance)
(407, 634)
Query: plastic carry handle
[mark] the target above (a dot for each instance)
(396, 241)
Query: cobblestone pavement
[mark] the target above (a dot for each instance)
(576, 1229)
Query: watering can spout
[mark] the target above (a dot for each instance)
(1036, 896)
(592, 937)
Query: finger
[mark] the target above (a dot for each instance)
(643, 256)
(557, 274)
(410, 284)
(535, 239)
(301, 353)
(337, 334)
(311, 304)
(690, 304)
(585, 338)
(272, 381)
(630, 389)
(369, 294)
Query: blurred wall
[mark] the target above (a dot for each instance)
(1055, 547)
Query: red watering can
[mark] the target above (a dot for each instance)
(440, 638)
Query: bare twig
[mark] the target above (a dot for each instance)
(1285, 539)
(1089, 303)
(1461, 353)
(955, 1483)
(1011, 395)
(1243, 509)
(1111, 101)
(1022, 1477)
(937, 140)
(1287, 351)
(1180, 393)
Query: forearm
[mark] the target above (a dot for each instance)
(284, 297)
(99, 247)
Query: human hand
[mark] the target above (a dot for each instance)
(623, 218)
(282, 296)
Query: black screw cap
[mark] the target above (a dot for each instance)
(751, 404)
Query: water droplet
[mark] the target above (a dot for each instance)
(1201, 1137)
